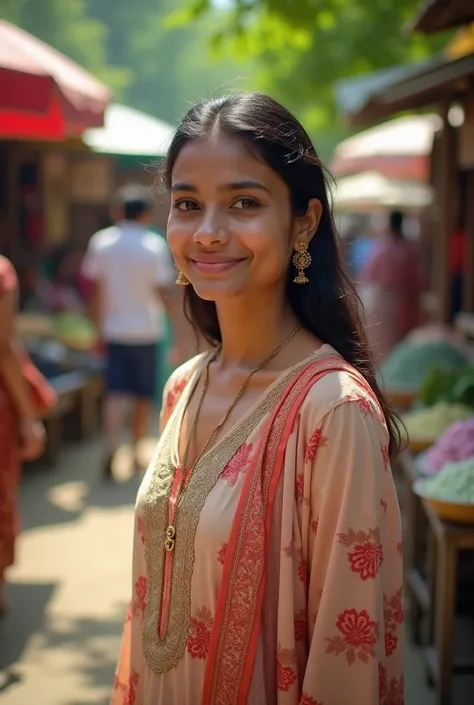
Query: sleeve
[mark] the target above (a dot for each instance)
(91, 267)
(174, 388)
(351, 535)
(164, 269)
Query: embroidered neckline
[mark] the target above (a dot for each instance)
(164, 653)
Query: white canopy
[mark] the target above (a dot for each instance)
(130, 132)
(405, 136)
(371, 190)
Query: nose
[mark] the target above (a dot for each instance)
(210, 231)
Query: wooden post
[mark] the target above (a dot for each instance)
(468, 292)
(447, 194)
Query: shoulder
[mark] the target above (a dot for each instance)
(177, 381)
(340, 397)
(104, 238)
(154, 243)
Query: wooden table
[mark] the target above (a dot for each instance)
(450, 540)
(68, 387)
(432, 550)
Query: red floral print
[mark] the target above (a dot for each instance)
(141, 528)
(393, 611)
(317, 440)
(130, 695)
(314, 526)
(363, 402)
(366, 555)
(199, 638)
(382, 681)
(399, 548)
(174, 394)
(385, 456)
(289, 550)
(303, 571)
(391, 642)
(395, 692)
(383, 504)
(286, 673)
(237, 464)
(393, 618)
(309, 700)
(221, 553)
(359, 636)
(140, 591)
(301, 626)
(299, 488)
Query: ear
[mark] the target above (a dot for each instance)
(306, 225)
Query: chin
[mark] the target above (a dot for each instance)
(218, 291)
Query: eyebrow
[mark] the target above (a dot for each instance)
(234, 186)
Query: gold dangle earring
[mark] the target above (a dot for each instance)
(301, 260)
(181, 279)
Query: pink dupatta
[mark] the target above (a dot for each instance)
(238, 617)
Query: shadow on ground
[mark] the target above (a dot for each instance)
(88, 642)
(60, 494)
(26, 616)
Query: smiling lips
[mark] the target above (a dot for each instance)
(213, 263)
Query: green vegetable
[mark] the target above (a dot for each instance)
(75, 330)
(409, 364)
(429, 423)
(455, 483)
(451, 386)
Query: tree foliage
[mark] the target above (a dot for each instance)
(302, 47)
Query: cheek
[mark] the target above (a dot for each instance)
(178, 236)
(270, 247)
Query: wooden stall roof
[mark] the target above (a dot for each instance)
(438, 15)
(424, 89)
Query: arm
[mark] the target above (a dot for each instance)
(31, 432)
(91, 271)
(10, 362)
(95, 303)
(352, 545)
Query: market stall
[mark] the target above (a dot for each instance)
(432, 374)
(62, 347)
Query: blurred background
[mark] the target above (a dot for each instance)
(90, 94)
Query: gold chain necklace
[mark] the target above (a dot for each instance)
(170, 536)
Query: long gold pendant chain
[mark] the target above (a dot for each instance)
(170, 536)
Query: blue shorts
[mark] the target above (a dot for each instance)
(132, 369)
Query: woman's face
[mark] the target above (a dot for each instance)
(230, 228)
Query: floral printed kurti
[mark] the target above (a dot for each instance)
(331, 622)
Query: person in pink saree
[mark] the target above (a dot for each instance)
(267, 566)
(395, 276)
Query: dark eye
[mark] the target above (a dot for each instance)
(186, 205)
(245, 203)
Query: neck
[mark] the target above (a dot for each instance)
(251, 329)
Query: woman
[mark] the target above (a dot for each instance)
(22, 437)
(267, 558)
(394, 276)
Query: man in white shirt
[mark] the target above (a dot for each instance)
(131, 270)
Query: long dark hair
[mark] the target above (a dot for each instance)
(328, 306)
